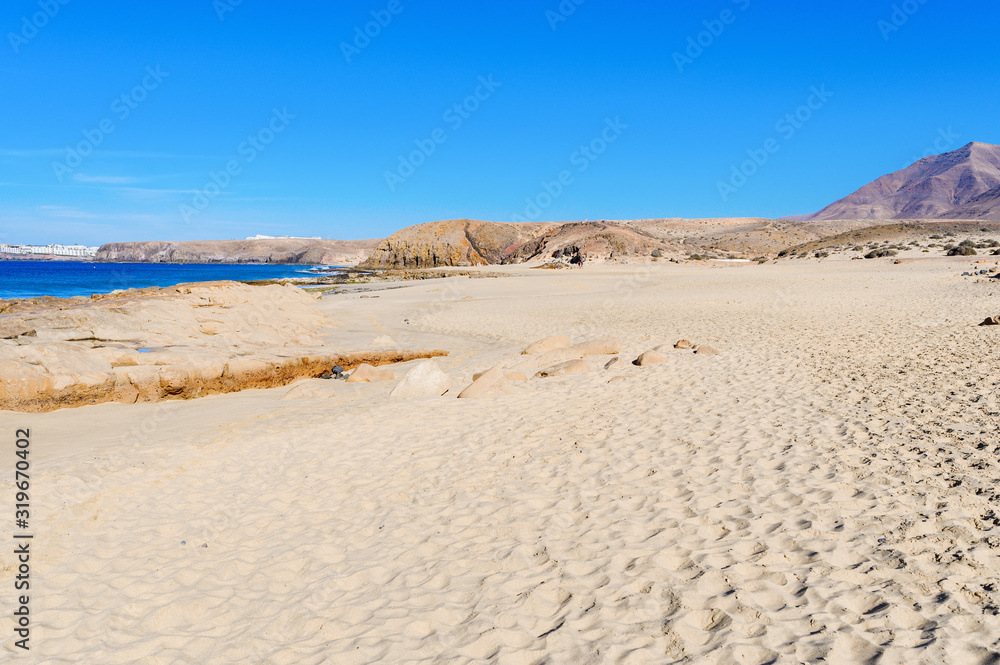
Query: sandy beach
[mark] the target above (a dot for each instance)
(821, 490)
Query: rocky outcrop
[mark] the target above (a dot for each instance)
(607, 241)
(467, 242)
(182, 342)
(457, 242)
(302, 251)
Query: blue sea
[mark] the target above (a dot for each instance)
(28, 279)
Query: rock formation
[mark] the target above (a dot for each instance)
(457, 242)
(302, 251)
(177, 343)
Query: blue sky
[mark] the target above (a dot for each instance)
(231, 118)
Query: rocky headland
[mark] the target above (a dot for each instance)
(302, 251)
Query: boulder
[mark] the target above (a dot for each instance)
(991, 321)
(547, 344)
(365, 373)
(564, 369)
(683, 344)
(599, 347)
(491, 383)
(705, 350)
(649, 358)
(424, 380)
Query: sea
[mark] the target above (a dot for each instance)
(65, 279)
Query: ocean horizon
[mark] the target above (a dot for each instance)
(65, 279)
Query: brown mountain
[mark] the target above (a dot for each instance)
(305, 251)
(961, 184)
(466, 242)
(454, 242)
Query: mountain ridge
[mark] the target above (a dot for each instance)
(935, 187)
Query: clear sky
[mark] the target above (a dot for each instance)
(212, 119)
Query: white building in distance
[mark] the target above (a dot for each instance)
(79, 251)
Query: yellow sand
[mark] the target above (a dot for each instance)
(822, 491)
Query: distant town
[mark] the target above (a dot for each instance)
(78, 251)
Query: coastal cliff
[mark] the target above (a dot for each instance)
(302, 251)
(456, 242)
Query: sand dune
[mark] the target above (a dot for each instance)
(821, 491)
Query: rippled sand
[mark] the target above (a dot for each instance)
(822, 491)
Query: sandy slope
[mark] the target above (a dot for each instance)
(823, 491)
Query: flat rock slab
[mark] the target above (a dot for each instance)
(564, 369)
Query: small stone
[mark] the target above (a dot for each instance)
(614, 362)
(683, 344)
(991, 321)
